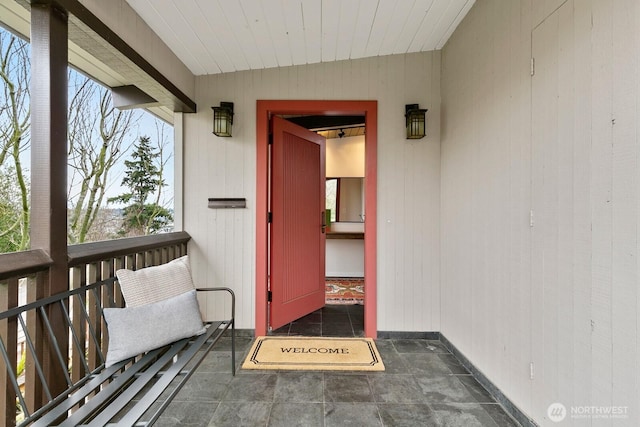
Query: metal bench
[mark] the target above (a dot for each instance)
(95, 395)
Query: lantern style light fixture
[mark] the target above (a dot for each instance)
(416, 121)
(223, 119)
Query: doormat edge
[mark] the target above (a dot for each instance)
(256, 360)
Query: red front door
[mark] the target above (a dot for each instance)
(297, 280)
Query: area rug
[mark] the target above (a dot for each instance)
(340, 290)
(314, 353)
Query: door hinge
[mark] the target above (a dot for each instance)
(269, 296)
(269, 217)
(270, 139)
(533, 66)
(531, 218)
(531, 370)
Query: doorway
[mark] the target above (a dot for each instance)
(267, 109)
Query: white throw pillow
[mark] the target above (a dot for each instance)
(136, 330)
(157, 283)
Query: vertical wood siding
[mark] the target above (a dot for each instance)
(223, 241)
(563, 294)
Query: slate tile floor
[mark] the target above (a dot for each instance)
(423, 385)
(330, 321)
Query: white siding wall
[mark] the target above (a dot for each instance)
(563, 294)
(223, 246)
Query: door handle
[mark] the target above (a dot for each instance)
(324, 221)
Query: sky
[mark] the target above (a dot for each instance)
(145, 125)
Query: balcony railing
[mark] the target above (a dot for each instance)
(23, 278)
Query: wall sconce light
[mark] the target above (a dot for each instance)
(223, 119)
(416, 121)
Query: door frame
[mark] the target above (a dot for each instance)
(264, 110)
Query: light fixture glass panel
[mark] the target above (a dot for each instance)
(415, 121)
(223, 119)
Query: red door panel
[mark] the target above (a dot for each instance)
(297, 233)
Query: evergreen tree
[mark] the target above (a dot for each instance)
(143, 178)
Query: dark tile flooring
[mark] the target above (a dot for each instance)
(423, 385)
(330, 321)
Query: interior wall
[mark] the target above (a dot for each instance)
(351, 201)
(223, 241)
(540, 202)
(345, 157)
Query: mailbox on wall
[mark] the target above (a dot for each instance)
(228, 203)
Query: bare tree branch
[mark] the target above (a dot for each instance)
(97, 142)
(15, 120)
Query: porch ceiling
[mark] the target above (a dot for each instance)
(90, 53)
(219, 36)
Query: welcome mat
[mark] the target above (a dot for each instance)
(311, 353)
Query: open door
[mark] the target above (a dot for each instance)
(297, 231)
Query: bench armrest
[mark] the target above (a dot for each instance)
(233, 298)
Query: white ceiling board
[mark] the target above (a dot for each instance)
(426, 33)
(362, 31)
(198, 47)
(230, 26)
(259, 27)
(311, 9)
(293, 16)
(452, 27)
(409, 32)
(18, 20)
(192, 41)
(228, 30)
(330, 28)
(346, 29)
(214, 36)
(391, 17)
(276, 22)
(444, 22)
(15, 17)
(379, 26)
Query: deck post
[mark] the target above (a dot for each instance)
(49, 59)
